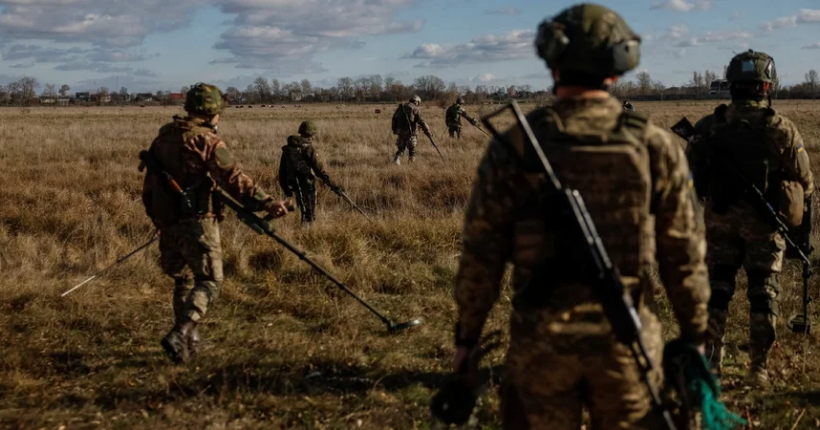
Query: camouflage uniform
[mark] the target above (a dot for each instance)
(193, 154)
(563, 354)
(298, 169)
(406, 121)
(453, 118)
(739, 235)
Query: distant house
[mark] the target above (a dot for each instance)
(718, 86)
(101, 98)
(83, 97)
(177, 98)
(144, 97)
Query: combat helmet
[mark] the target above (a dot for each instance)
(590, 39)
(204, 99)
(308, 128)
(415, 100)
(751, 66)
(459, 101)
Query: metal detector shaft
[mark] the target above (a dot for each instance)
(262, 226)
(116, 263)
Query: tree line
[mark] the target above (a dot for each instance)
(378, 89)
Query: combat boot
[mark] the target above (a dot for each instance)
(397, 160)
(758, 377)
(175, 343)
(193, 342)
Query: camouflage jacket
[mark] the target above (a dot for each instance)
(407, 119)
(509, 223)
(190, 150)
(786, 144)
(300, 165)
(454, 114)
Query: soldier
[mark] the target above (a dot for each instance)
(406, 121)
(628, 106)
(299, 168)
(190, 150)
(765, 148)
(453, 118)
(635, 181)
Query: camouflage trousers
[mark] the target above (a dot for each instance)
(740, 238)
(455, 131)
(406, 141)
(306, 200)
(191, 253)
(559, 362)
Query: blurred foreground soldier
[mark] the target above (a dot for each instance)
(406, 122)
(193, 154)
(563, 354)
(299, 168)
(628, 106)
(453, 118)
(748, 139)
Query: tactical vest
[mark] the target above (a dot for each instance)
(188, 169)
(402, 119)
(452, 116)
(298, 165)
(745, 145)
(612, 173)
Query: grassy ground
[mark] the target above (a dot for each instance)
(285, 349)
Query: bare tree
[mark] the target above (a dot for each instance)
(644, 82)
(697, 81)
(345, 86)
(276, 88)
(431, 86)
(28, 88)
(812, 81)
(262, 88)
(362, 87)
(50, 91)
(64, 90)
(708, 78)
(184, 89)
(234, 95)
(376, 86)
(307, 88)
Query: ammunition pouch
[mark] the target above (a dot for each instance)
(792, 203)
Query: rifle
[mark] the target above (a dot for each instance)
(604, 276)
(341, 193)
(114, 264)
(799, 323)
(262, 226)
(426, 133)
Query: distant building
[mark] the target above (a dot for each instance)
(144, 97)
(718, 87)
(83, 97)
(177, 98)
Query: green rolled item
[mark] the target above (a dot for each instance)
(701, 388)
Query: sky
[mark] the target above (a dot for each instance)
(150, 45)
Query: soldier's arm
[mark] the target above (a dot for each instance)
(467, 116)
(796, 163)
(486, 247)
(319, 167)
(681, 243)
(696, 155)
(283, 175)
(228, 174)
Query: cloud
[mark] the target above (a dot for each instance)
(806, 16)
(484, 78)
(511, 11)
(266, 34)
(812, 46)
(21, 66)
(512, 45)
(93, 67)
(681, 5)
(39, 54)
(145, 73)
(98, 22)
(710, 38)
(677, 31)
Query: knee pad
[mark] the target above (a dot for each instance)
(764, 288)
(722, 278)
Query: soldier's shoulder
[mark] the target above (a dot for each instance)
(706, 122)
(783, 123)
(663, 148)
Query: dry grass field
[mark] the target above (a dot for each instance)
(285, 348)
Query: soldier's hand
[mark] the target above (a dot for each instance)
(279, 209)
